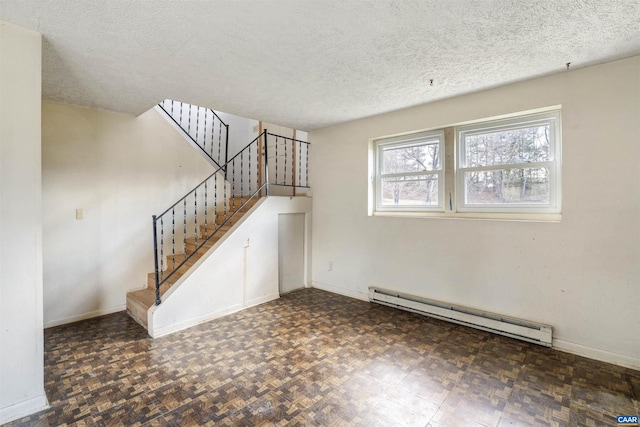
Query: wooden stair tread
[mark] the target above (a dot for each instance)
(233, 205)
(213, 227)
(181, 257)
(191, 243)
(146, 296)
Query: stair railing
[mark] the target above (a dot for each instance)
(289, 162)
(209, 209)
(203, 126)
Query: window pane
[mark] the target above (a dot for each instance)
(413, 158)
(514, 186)
(531, 144)
(419, 190)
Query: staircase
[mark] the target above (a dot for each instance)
(139, 302)
(188, 230)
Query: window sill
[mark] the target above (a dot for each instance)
(555, 217)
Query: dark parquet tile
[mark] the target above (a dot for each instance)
(199, 412)
(601, 399)
(531, 406)
(581, 416)
(132, 412)
(634, 381)
(478, 397)
(316, 358)
(177, 393)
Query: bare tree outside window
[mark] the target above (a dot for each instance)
(408, 174)
(519, 151)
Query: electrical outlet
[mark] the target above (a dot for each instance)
(330, 265)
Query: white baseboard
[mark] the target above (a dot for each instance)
(84, 316)
(597, 354)
(23, 409)
(261, 300)
(188, 323)
(364, 296)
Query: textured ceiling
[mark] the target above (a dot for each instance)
(309, 64)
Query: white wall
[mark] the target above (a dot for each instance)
(581, 275)
(21, 336)
(120, 169)
(241, 131)
(241, 270)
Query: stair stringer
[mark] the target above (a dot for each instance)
(239, 271)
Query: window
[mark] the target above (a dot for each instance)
(503, 168)
(410, 172)
(509, 166)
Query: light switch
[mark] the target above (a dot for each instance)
(79, 213)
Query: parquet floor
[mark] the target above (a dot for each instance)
(316, 358)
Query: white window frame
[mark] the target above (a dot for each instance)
(553, 164)
(407, 141)
(451, 190)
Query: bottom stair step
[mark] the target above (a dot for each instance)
(138, 302)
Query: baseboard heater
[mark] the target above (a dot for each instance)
(515, 328)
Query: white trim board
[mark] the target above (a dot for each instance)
(23, 409)
(84, 316)
(596, 354)
(364, 296)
